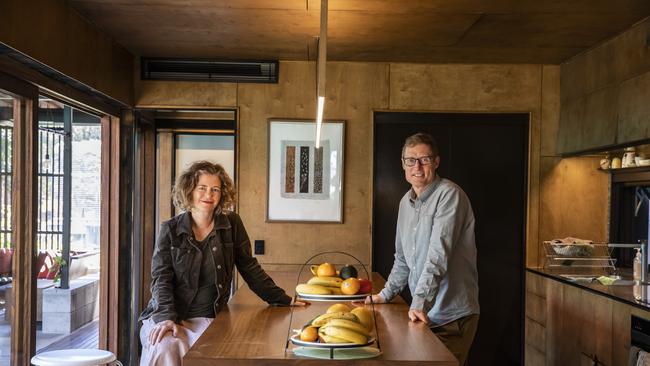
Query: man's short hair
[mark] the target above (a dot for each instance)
(421, 138)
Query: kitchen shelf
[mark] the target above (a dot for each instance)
(629, 169)
(638, 175)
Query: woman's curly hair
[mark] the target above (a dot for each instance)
(187, 181)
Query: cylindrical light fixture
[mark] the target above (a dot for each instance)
(320, 69)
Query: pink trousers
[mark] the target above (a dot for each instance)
(170, 350)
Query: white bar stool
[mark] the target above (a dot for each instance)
(75, 357)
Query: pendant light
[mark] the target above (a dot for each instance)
(320, 70)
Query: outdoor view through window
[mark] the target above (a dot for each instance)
(67, 221)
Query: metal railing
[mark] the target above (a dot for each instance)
(50, 188)
(49, 232)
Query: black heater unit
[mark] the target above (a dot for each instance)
(209, 70)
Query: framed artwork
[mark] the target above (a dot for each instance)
(305, 183)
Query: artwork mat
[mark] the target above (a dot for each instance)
(283, 209)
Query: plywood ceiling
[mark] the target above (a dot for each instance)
(431, 31)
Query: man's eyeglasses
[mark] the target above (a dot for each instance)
(424, 160)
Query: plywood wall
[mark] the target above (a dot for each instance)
(354, 90)
(573, 194)
(53, 34)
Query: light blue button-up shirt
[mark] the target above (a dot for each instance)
(435, 253)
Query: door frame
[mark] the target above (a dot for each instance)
(526, 223)
(169, 122)
(25, 213)
(24, 217)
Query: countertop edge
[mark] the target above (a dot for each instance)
(538, 271)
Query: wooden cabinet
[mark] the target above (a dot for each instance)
(634, 109)
(568, 325)
(588, 122)
(604, 94)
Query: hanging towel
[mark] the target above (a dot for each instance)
(632, 356)
(644, 358)
(607, 281)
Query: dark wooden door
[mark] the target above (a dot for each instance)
(486, 155)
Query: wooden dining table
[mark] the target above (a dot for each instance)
(250, 332)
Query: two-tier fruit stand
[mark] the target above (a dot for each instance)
(330, 350)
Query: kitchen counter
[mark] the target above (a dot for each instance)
(569, 323)
(249, 332)
(623, 293)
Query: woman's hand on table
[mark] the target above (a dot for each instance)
(160, 329)
(295, 302)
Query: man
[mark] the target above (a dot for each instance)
(435, 252)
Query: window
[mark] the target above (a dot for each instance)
(6, 246)
(69, 191)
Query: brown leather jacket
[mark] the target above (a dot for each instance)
(176, 263)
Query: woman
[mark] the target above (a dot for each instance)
(193, 264)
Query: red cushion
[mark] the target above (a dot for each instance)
(43, 263)
(6, 255)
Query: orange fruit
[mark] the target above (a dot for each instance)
(309, 334)
(350, 286)
(326, 270)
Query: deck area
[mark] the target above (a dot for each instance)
(84, 337)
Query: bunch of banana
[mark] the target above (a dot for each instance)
(304, 288)
(343, 329)
(330, 339)
(323, 319)
(331, 283)
(319, 285)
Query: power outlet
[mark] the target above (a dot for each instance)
(259, 247)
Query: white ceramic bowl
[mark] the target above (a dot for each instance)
(644, 162)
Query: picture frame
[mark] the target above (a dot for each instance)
(300, 188)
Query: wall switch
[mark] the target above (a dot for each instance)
(259, 246)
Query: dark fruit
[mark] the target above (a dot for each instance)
(348, 272)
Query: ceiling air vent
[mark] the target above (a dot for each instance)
(209, 70)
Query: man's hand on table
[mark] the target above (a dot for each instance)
(418, 316)
(377, 299)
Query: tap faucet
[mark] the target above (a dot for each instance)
(643, 245)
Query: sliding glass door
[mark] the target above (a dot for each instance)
(68, 234)
(7, 118)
